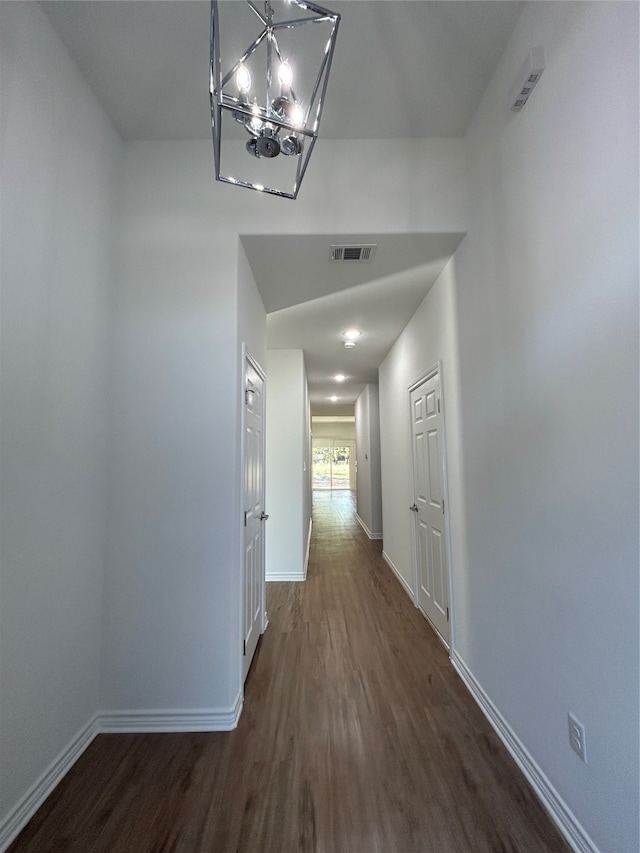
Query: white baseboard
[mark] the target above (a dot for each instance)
(306, 556)
(403, 582)
(205, 720)
(29, 804)
(201, 720)
(285, 576)
(366, 529)
(558, 810)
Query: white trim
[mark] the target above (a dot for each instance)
(286, 576)
(197, 720)
(29, 804)
(306, 556)
(366, 529)
(553, 803)
(333, 419)
(247, 357)
(403, 582)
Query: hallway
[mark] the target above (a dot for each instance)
(356, 737)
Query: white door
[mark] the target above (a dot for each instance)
(432, 571)
(253, 616)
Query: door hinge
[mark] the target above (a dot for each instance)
(442, 506)
(447, 614)
(438, 403)
(244, 642)
(245, 517)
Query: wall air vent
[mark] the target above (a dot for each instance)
(530, 73)
(361, 254)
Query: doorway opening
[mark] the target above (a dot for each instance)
(333, 464)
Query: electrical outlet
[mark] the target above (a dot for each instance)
(577, 738)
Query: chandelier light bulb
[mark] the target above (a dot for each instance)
(243, 78)
(297, 116)
(285, 74)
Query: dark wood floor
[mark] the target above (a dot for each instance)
(356, 737)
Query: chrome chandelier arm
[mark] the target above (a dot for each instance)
(257, 12)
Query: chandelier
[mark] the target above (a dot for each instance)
(269, 70)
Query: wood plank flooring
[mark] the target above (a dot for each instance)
(356, 737)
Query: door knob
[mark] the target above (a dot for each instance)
(264, 516)
(413, 508)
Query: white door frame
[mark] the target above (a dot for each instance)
(247, 357)
(437, 368)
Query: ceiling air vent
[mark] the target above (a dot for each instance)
(362, 254)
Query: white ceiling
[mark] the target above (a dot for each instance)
(311, 300)
(402, 69)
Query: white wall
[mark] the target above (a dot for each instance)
(545, 563)
(547, 614)
(172, 585)
(333, 429)
(59, 161)
(186, 301)
(369, 484)
(287, 455)
(252, 326)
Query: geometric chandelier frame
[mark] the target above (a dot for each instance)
(268, 75)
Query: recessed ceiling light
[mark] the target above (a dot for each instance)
(349, 344)
(333, 398)
(339, 377)
(351, 334)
